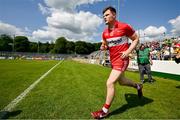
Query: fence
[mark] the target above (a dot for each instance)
(35, 56)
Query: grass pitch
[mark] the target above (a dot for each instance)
(73, 90)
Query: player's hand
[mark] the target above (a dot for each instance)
(124, 54)
(103, 47)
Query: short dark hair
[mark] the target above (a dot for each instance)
(141, 45)
(112, 9)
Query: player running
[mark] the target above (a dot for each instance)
(115, 39)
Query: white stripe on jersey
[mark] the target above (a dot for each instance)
(116, 41)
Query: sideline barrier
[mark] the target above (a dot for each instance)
(159, 66)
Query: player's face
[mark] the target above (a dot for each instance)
(109, 17)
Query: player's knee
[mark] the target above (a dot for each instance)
(109, 84)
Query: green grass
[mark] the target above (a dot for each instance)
(73, 90)
(166, 75)
(17, 75)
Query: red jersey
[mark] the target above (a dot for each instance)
(117, 41)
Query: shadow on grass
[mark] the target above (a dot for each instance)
(178, 86)
(147, 81)
(7, 114)
(132, 101)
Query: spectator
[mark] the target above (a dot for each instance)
(177, 58)
(144, 60)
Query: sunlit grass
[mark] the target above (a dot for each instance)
(73, 90)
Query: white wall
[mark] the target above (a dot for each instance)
(160, 66)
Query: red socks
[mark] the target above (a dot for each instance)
(106, 108)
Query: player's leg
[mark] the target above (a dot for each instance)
(127, 82)
(113, 77)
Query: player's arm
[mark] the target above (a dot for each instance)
(135, 41)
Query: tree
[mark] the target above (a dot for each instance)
(33, 47)
(81, 47)
(21, 44)
(97, 46)
(70, 47)
(6, 43)
(44, 47)
(51, 47)
(90, 48)
(60, 45)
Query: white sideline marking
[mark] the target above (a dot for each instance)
(13, 103)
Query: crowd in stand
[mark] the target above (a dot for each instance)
(162, 50)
